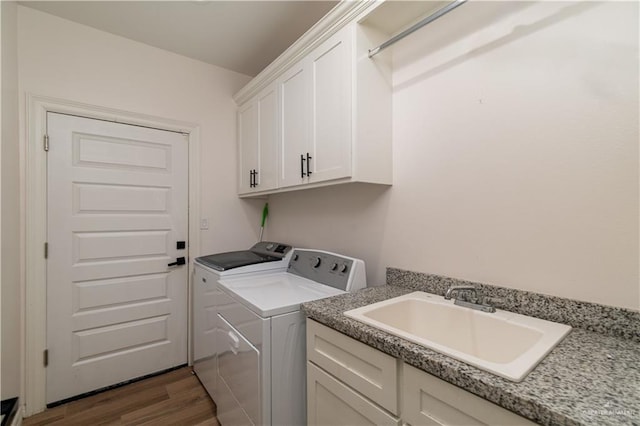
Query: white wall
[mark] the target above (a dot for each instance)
(66, 60)
(10, 222)
(515, 156)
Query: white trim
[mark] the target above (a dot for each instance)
(36, 221)
(342, 14)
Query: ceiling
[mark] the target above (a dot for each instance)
(243, 36)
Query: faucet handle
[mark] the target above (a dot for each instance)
(494, 301)
(476, 302)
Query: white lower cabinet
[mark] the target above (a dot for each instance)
(427, 400)
(350, 383)
(371, 372)
(331, 402)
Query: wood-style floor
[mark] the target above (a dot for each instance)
(174, 398)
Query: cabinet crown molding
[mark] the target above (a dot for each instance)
(343, 13)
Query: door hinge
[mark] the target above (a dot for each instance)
(46, 143)
(45, 357)
(46, 250)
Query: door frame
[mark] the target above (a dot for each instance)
(35, 225)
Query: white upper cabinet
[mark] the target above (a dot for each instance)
(333, 119)
(258, 142)
(267, 177)
(294, 136)
(330, 143)
(247, 146)
(315, 109)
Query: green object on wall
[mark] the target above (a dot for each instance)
(265, 213)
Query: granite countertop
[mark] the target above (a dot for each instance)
(590, 378)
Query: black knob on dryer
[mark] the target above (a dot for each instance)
(317, 262)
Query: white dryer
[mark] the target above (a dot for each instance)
(261, 373)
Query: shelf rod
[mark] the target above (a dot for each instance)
(441, 12)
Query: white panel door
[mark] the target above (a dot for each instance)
(117, 205)
(331, 109)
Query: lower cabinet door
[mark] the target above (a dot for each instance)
(428, 400)
(331, 402)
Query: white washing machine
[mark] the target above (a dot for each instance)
(262, 257)
(261, 374)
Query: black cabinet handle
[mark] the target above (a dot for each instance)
(252, 178)
(255, 178)
(302, 174)
(179, 261)
(309, 164)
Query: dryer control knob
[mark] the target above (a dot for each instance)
(317, 262)
(334, 266)
(344, 268)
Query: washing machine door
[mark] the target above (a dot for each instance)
(239, 401)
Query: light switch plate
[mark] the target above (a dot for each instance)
(204, 224)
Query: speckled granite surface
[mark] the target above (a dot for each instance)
(589, 316)
(588, 379)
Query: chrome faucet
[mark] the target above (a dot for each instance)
(459, 289)
(474, 303)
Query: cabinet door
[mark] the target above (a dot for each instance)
(294, 131)
(331, 108)
(267, 170)
(428, 400)
(373, 373)
(330, 402)
(247, 145)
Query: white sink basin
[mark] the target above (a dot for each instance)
(503, 343)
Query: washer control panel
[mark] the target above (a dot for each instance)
(327, 268)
